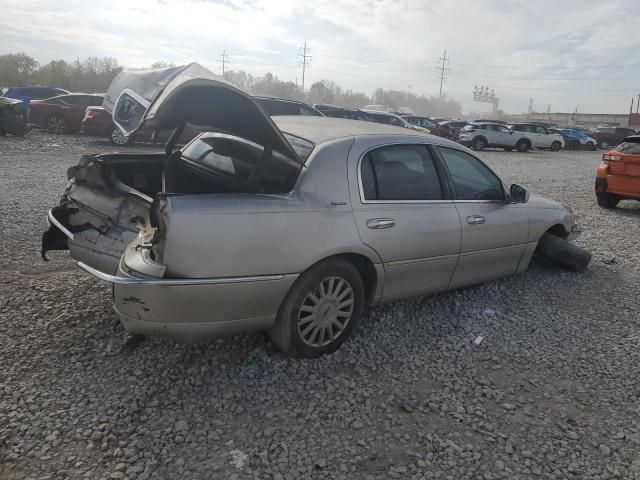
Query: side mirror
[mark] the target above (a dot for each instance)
(518, 194)
(510, 132)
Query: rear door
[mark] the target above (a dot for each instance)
(494, 231)
(542, 137)
(403, 211)
(73, 108)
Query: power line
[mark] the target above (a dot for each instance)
(224, 61)
(305, 60)
(444, 68)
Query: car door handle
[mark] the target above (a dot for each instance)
(475, 219)
(381, 223)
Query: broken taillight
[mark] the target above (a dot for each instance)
(611, 157)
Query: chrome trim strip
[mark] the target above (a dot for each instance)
(59, 225)
(173, 282)
(422, 260)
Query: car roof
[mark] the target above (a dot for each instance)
(260, 97)
(324, 129)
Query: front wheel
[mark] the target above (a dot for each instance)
(523, 146)
(320, 311)
(479, 144)
(574, 145)
(555, 146)
(606, 200)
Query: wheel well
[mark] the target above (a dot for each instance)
(482, 137)
(526, 140)
(558, 230)
(366, 270)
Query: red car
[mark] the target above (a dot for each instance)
(62, 114)
(429, 124)
(97, 122)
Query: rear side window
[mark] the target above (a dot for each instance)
(541, 130)
(632, 148)
(472, 179)
(400, 172)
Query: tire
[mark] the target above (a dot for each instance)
(555, 146)
(523, 146)
(563, 253)
(574, 145)
(56, 124)
(508, 149)
(117, 138)
(604, 145)
(607, 200)
(321, 290)
(591, 146)
(479, 143)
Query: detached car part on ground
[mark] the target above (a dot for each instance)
(291, 227)
(618, 176)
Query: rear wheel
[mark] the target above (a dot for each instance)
(555, 146)
(117, 137)
(479, 143)
(56, 124)
(607, 200)
(591, 146)
(320, 311)
(523, 146)
(573, 145)
(508, 149)
(604, 144)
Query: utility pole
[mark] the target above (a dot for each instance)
(638, 104)
(223, 62)
(443, 68)
(306, 58)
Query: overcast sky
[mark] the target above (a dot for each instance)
(568, 54)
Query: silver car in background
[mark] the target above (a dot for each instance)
(292, 227)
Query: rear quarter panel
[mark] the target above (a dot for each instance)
(222, 235)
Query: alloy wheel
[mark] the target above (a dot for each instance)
(325, 312)
(117, 137)
(478, 144)
(56, 124)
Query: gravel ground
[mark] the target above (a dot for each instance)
(552, 392)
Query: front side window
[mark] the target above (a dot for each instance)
(400, 172)
(502, 129)
(472, 179)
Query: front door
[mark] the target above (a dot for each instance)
(405, 213)
(494, 231)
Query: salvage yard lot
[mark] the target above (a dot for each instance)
(552, 392)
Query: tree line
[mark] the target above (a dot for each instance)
(94, 74)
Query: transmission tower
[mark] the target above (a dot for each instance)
(443, 68)
(223, 62)
(306, 58)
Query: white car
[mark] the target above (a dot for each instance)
(481, 135)
(540, 136)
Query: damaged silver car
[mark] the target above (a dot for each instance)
(291, 227)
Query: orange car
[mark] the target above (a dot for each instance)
(618, 176)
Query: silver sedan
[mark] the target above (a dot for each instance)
(292, 227)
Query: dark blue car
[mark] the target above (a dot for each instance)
(32, 92)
